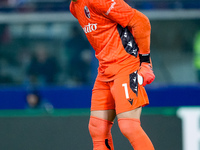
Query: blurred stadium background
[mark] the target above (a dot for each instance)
(45, 56)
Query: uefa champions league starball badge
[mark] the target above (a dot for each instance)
(87, 12)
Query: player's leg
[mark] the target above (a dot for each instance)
(102, 116)
(129, 97)
(129, 124)
(100, 129)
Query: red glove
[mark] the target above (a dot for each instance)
(146, 72)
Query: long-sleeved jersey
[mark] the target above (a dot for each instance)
(105, 25)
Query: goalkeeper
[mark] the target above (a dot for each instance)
(120, 36)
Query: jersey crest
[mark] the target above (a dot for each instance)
(87, 12)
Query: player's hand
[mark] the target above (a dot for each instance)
(146, 72)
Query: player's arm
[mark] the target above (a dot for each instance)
(141, 30)
(121, 13)
(71, 8)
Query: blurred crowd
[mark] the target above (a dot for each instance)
(50, 53)
(38, 62)
(45, 54)
(33, 5)
(62, 5)
(59, 54)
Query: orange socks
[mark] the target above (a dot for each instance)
(100, 131)
(132, 130)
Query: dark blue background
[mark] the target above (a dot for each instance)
(64, 97)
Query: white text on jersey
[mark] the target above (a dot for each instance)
(111, 7)
(90, 27)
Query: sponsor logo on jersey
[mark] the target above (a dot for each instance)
(87, 12)
(111, 7)
(90, 27)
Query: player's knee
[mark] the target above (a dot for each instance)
(129, 127)
(99, 128)
(132, 130)
(100, 131)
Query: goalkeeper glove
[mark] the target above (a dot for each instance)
(145, 69)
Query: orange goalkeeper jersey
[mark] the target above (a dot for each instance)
(105, 25)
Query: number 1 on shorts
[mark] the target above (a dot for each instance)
(126, 90)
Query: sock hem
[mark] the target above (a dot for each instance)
(132, 119)
(102, 119)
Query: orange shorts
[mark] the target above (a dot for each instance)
(122, 94)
